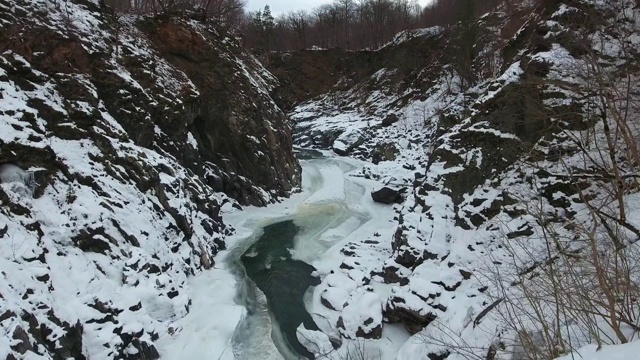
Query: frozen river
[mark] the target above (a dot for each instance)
(262, 288)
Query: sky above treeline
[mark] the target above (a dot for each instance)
(284, 6)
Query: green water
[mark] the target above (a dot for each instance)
(282, 279)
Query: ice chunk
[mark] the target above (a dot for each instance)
(23, 182)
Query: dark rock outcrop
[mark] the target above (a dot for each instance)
(237, 125)
(384, 152)
(374, 333)
(413, 320)
(390, 119)
(387, 195)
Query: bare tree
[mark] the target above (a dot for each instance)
(575, 281)
(363, 24)
(227, 11)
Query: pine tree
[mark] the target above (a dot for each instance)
(268, 26)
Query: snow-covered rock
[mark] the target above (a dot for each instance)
(348, 141)
(386, 195)
(362, 317)
(118, 142)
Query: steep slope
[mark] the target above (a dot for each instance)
(120, 141)
(237, 125)
(518, 164)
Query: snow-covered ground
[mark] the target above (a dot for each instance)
(333, 209)
(616, 352)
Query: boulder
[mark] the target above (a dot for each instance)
(347, 141)
(390, 120)
(326, 303)
(383, 152)
(408, 257)
(413, 319)
(387, 195)
(394, 274)
(362, 318)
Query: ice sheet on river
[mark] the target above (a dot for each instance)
(332, 209)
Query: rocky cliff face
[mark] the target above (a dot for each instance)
(121, 139)
(237, 125)
(308, 74)
(495, 153)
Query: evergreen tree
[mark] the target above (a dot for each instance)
(268, 27)
(267, 18)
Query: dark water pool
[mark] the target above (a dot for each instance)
(282, 279)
